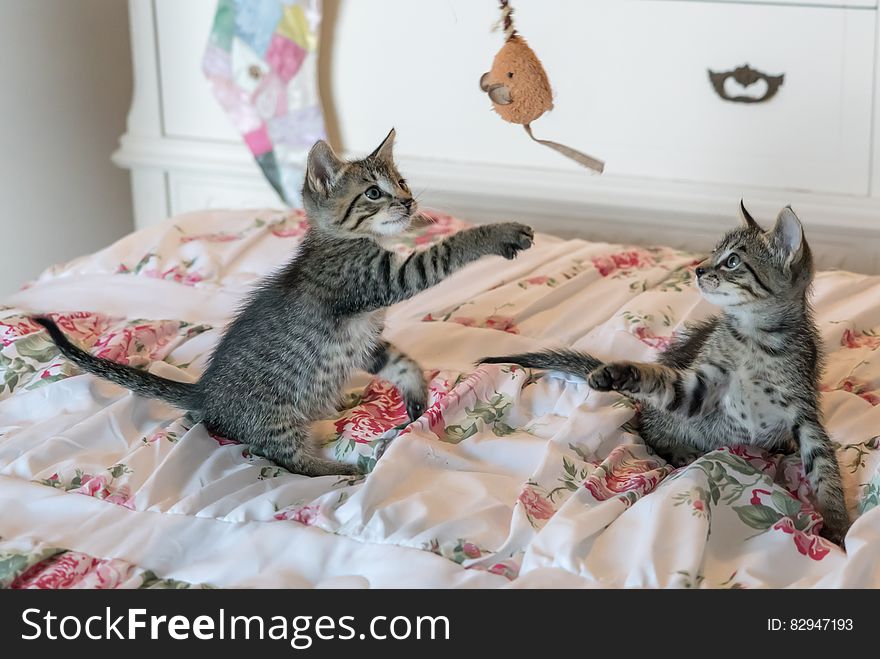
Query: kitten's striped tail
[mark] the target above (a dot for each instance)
(180, 394)
(566, 361)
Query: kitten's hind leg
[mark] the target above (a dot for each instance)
(294, 449)
(390, 363)
(666, 437)
(678, 455)
(310, 465)
(823, 471)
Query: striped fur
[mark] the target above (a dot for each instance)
(284, 360)
(747, 376)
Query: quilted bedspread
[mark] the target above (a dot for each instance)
(511, 478)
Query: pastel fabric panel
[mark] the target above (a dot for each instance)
(261, 60)
(255, 22)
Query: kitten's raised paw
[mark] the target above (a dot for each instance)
(512, 238)
(615, 377)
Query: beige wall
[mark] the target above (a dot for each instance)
(65, 86)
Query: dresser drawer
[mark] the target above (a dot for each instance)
(631, 85)
(189, 108)
(652, 110)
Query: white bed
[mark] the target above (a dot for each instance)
(511, 478)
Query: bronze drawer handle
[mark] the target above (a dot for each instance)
(746, 76)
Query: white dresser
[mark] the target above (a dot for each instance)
(632, 85)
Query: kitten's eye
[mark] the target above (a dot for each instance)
(732, 261)
(372, 193)
(402, 184)
(510, 74)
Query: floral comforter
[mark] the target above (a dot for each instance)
(511, 478)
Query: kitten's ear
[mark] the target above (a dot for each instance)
(384, 150)
(747, 220)
(322, 168)
(788, 236)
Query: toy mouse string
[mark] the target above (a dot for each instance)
(507, 20)
(581, 158)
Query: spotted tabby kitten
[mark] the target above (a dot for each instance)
(284, 360)
(747, 376)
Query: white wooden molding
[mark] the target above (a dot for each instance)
(875, 133)
(149, 189)
(845, 231)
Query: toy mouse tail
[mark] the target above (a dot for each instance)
(580, 158)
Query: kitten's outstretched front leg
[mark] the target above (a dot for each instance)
(683, 392)
(390, 363)
(651, 383)
(383, 279)
(823, 471)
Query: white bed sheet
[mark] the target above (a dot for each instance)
(511, 479)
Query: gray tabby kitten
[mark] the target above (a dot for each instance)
(747, 376)
(284, 360)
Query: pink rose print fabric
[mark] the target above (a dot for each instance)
(511, 477)
(29, 565)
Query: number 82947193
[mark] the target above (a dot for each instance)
(810, 624)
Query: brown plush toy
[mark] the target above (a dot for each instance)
(519, 89)
(517, 83)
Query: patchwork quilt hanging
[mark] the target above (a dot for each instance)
(261, 61)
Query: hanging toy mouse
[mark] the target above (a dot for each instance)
(519, 89)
